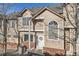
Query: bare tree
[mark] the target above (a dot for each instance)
(4, 9)
(74, 15)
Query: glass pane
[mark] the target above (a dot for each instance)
(24, 21)
(0, 23)
(26, 37)
(53, 30)
(13, 24)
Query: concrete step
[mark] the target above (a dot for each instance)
(39, 51)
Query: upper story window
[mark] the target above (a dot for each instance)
(26, 21)
(12, 23)
(53, 30)
(0, 23)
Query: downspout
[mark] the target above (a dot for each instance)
(29, 35)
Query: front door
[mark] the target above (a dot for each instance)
(40, 42)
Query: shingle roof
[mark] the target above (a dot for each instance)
(37, 9)
(33, 10)
(51, 10)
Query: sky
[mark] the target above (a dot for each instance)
(20, 6)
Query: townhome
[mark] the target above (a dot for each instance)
(43, 29)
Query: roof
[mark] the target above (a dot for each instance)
(33, 11)
(48, 10)
(37, 9)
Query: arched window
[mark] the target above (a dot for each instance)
(53, 30)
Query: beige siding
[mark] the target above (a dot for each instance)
(39, 26)
(48, 16)
(27, 13)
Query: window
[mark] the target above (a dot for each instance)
(26, 21)
(26, 37)
(0, 23)
(53, 30)
(9, 23)
(13, 24)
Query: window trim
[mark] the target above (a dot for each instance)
(57, 33)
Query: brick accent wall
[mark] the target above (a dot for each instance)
(26, 44)
(1, 46)
(53, 51)
(10, 45)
